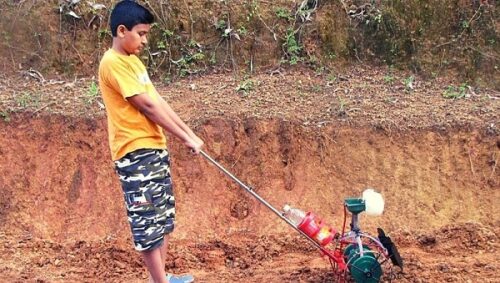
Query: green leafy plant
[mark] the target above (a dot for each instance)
(164, 35)
(409, 83)
(167, 33)
(222, 26)
(331, 78)
(252, 7)
(103, 33)
(187, 63)
(27, 99)
(192, 54)
(465, 25)
(342, 107)
(292, 47)
(319, 69)
(389, 79)
(245, 87)
(378, 18)
(242, 31)
(456, 92)
(167, 79)
(161, 45)
(331, 55)
(92, 93)
(283, 13)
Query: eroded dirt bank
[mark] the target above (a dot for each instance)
(62, 215)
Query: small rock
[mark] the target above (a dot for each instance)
(120, 265)
(427, 240)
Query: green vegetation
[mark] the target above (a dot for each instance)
(27, 99)
(103, 33)
(425, 37)
(331, 78)
(342, 111)
(292, 47)
(389, 79)
(92, 93)
(245, 87)
(317, 88)
(284, 13)
(192, 54)
(455, 92)
(409, 83)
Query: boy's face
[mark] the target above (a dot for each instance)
(133, 41)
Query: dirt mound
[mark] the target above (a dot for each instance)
(239, 258)
(469, 236)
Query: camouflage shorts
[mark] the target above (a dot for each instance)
(147, 189)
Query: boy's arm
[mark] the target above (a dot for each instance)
(179, 121)
(162, 116)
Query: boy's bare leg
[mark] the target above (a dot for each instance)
(163, 251)
(155, 265)
(163, 256)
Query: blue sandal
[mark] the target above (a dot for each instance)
(185, 278)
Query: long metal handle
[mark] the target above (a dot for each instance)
(260, 199)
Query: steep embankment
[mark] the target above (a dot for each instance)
(58, 182)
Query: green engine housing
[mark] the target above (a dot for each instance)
(363, 269)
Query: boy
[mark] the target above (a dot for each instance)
(136, 115)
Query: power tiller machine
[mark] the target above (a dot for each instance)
(355, 256)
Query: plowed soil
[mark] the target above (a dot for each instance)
(296, 136)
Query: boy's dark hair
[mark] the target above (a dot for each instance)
(129, 13)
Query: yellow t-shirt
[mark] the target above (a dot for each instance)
(122, 76)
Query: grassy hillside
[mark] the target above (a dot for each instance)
(431, 37)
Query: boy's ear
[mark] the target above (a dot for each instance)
(120, 30)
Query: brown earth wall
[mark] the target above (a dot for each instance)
(57, 180)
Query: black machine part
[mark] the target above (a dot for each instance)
(391, 248)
